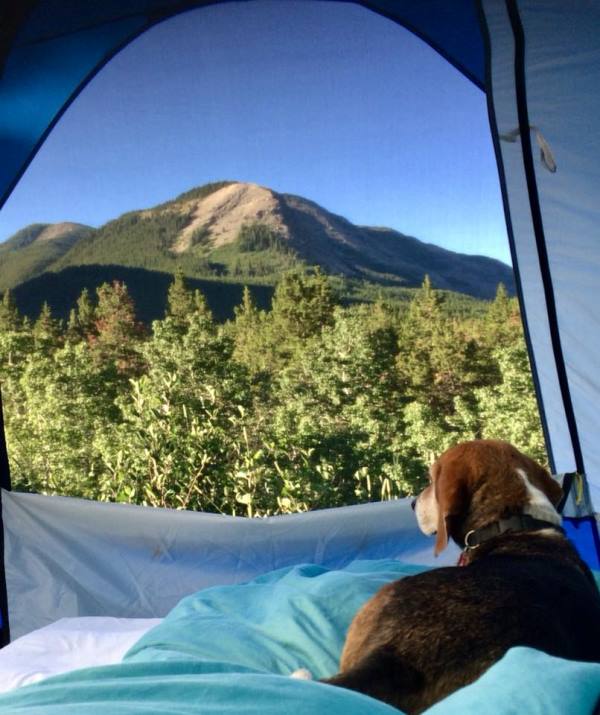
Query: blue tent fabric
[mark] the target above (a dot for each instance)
(40, 77)
(452, 29)
(584, 534)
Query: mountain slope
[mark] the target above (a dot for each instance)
(382, 255)
(244, 232)
(35, 248)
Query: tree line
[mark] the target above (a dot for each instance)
(307, 405)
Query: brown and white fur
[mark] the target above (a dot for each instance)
(424, 636)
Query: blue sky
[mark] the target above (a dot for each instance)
(328, 101)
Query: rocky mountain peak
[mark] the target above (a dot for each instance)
(224, 212)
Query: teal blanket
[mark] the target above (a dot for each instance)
(231, 649)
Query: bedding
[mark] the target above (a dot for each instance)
(68, 644)
(231, 649)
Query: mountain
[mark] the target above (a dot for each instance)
(242, 232)
(34, 249)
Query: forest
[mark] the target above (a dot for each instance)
(307, 405)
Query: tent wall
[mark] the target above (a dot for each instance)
(71, 557)
(544, 73)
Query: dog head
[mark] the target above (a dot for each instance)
(476, 483)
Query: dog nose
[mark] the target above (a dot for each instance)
(413, 504)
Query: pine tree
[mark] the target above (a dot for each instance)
(302, 305)
(15, 339)
(251, 347)
(422, 328)
(65, 402)
(10, 320)
(72, 326)
(46, 331)
(173, 446)
(503, 321)
(82, 319)
(201, 312)
(117, 330)
(180, 301)
(247, 309)
(86, 314)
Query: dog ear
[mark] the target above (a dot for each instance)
(452, 502)
(441, 540)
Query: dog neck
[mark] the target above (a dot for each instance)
(535, 513)
(491, 534)
(518, 523)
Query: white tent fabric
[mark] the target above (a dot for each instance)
(68, 557)
(562, 75)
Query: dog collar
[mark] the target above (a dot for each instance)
(519, 522)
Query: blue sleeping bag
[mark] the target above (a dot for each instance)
(231, 649)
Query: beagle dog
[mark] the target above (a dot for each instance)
(521, 582)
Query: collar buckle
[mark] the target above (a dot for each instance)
(468, 546)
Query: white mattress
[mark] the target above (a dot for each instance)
(68, 644)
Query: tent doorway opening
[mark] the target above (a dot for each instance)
(260, 266)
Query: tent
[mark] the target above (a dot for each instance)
(539, 65)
